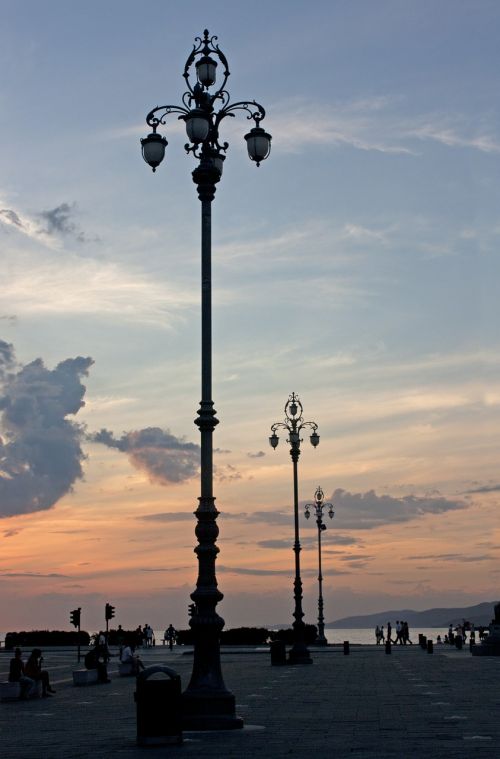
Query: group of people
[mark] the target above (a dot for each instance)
(401, 630)
(29, 674)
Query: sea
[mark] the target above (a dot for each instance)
(355, 635)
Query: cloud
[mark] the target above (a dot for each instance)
(366, 511)
(276, 572)
(257, 455)
(10, 217)
(11, 533)
(163, 457)
(72, 286)
(373, 124)
(455, 557)
(441, 130)
(40, 452)
(308, 540)
(56, 222)
(484, 489)
(166, 516)
(33, 574)
(254, 572)
(60, 221)
(362, 124)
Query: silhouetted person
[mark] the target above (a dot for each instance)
(170, 636)
(18, 675)
(128, 656)
(97, 658)
(34, 670)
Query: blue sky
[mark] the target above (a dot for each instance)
(358, 267)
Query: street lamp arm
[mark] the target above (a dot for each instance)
(280, 425)
(312, 426)
(255, 110)
(158, 115)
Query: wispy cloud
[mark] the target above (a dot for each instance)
(373, 124)
(92, 288)
(483, 489)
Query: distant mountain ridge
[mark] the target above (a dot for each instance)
(480, 614)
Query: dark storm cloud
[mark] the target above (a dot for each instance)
(163, 457)
(40, 452)
(366, 511)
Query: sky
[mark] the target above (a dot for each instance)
(357, 267)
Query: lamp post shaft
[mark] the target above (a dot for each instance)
(207, 703)
(299, 653)
(321, 639)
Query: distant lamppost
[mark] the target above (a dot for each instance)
(318, 506)
(207, 703)
(294, 424)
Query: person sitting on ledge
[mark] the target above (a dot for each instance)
(17, 675)
(34, 670)
(97, 658)
(128, 656)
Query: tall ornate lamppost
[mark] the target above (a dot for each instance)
(294, 424)
(318, 506)
(207, 703)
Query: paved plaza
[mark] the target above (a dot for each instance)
(366, 705)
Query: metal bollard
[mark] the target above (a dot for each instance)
(346, 648)
(430, 647)
(388, 646)
(159, 715)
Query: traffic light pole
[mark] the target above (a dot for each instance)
(79, 641)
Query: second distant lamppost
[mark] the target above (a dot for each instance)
(318, 506)
(294, 424)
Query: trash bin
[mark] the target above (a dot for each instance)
(458, 642)
(346, 648)
(430, 646)
(159, 717)
(423, 642)
(278, 653)
(388, 646)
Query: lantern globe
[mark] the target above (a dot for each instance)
(153, 149)
(258, 144)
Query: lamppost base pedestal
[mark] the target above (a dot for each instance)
(209, 712)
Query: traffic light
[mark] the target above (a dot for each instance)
(75, 617)
(110, 612)
(192, 610)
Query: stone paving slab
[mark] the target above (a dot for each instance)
(367, 705)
